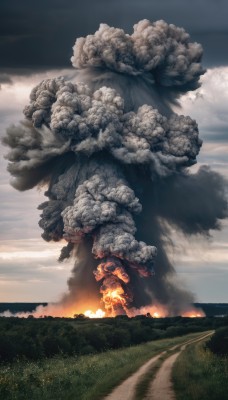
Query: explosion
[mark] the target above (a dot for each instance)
(116, 160)
(98, 314)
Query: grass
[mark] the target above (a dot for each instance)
(87, 377)
(200, 375)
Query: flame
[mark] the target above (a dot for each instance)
(155, 311)
(116, 296)
(111, 267)
(194, 313)
(115, 304)
(156, 315)
(160, 311)
(97, 314)
(114, 300)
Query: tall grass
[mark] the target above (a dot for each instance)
(198, 374)
(83, 378)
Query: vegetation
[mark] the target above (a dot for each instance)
(198, 374)
(88, 377)
(34, 339)
(219, 342)
(64, 358)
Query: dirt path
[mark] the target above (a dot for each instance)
(161, 386)
(126, 390)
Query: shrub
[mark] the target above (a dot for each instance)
(219, 342)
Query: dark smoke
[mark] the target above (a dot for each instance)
(116, 158)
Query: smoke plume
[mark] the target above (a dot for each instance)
(116, 160)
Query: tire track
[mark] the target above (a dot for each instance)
(126, 390)
(161, 387)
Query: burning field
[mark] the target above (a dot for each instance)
(115, 161)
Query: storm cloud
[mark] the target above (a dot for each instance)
(31, 33)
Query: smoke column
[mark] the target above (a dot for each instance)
(116, 161)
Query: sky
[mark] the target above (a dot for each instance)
(36, 40)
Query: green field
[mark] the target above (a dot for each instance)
(198, 374)
(87, 377)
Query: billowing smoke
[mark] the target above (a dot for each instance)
(116, 160)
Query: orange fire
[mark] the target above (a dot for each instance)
(97, 314)
(194, 313)
(109, 268)
(155, 311)
(114, 300)
(116, 296)
(115, 304)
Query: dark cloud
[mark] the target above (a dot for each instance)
(214, 44)
(5, 78)
(29, 30)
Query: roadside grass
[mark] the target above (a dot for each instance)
(88, 377)
(198, 374)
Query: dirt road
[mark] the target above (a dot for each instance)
(159, 388)
(126, 390)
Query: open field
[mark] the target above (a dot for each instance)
(198, 374)
(83, 378)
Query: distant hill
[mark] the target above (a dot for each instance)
(210, 309)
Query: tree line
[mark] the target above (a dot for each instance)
(33, 339)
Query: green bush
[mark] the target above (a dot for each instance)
(218, 344)
(34, 339)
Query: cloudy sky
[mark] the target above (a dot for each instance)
(36, 42)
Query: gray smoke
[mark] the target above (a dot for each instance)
(116, 160)
(158, 49)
